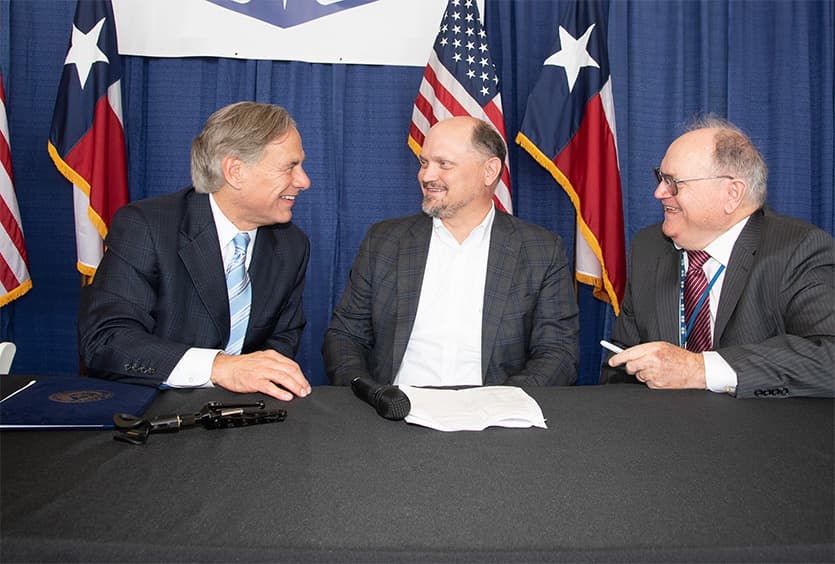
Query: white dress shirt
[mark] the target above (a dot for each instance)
(719, 376)
(445, 345)
(194, 370)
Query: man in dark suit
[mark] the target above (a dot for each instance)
(462, 294)
(768, 282)
(158, 311)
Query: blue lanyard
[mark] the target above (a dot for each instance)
(684, 331)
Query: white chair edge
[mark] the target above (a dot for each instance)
(7, 352)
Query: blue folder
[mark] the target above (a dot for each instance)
(60, 402)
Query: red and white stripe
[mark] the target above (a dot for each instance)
(441, 96)
(14, 265)
(100, 187)
(591, 162)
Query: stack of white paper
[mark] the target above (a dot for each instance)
(473, 409)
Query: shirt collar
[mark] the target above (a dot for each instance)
(721, 247)
(226, 230)
(478, 233)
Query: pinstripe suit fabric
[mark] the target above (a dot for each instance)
(161, 289)
(775, 324)
(529, 321)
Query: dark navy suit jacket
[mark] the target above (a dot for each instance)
(160, 289)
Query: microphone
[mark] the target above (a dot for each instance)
(390, 401)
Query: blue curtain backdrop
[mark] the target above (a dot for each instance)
(767, 65)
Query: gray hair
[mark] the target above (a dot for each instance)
(734, 153)
(239, 130)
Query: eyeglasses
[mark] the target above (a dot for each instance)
(672, 183)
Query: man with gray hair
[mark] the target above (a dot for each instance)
(724, 294)
(203, 287)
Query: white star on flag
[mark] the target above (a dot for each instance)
(573, 55)
(84, 51)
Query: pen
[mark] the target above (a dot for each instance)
(609, 346)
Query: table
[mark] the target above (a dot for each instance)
(623, 473)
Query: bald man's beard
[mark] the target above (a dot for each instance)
(441, 210)
(444, 209)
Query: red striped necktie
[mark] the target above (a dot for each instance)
(695, 284)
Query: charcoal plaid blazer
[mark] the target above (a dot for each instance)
(160, 289)
(529, 324)
(775, 323)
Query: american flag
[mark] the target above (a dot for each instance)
(460, 80)
(569, 128)
(87, 141)
(14, 265)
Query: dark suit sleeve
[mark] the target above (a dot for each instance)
(552, 352)
(650, 305)
(791, 328)
(117, 312)
(625, 335)
(350, 337)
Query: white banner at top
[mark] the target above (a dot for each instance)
(376, 32)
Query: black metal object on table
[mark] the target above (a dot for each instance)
(213, 415)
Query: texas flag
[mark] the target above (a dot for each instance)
(569, 128)
(87, 141)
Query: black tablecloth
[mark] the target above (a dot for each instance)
(622, 473)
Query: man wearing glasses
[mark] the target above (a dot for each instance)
(724, 294)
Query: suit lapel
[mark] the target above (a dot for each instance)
(200, 252)
(413, 251)
(736, 275)
(667, 287)
(504, 251)
(264, 266)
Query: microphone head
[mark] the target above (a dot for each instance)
(393, 403)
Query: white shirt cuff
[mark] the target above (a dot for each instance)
(719, 376)
(194, 370)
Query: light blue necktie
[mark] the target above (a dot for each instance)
(240, 295)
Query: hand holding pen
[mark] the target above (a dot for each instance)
(660, 364)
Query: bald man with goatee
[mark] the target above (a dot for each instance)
(462, 294)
